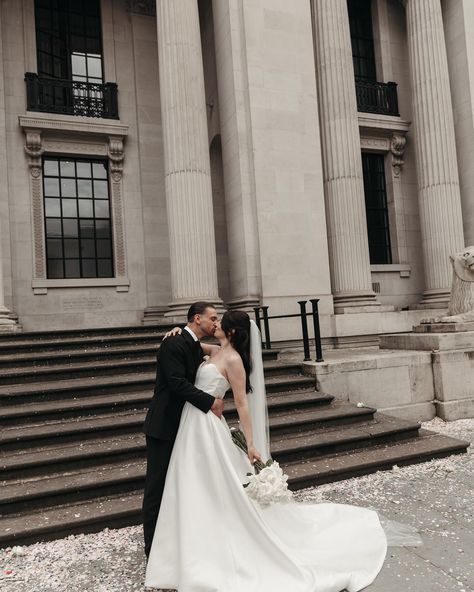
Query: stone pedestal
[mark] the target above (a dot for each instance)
(452, 358)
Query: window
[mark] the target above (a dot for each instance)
(376, 208)
(69, 53)
(77, 218)
(362, 39)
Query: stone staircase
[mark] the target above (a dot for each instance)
(72, 451)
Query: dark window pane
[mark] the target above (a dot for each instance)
(104, 248)
(87, 248)
(51, 187)
(84, 188)
(102, 209)
(85, 208)
(99, 170)
(55, 268)
(73, 269)
(83, 169)
(70, 228)
(69, 208)
(53, 228)
(104, 268)
(54, 247)
(102, 228)
(89, 268)
(71, 248)
(67, 168)
(52, 207)
(51, 167)
(101, 189)
(87, 228)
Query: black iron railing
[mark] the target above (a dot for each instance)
(71, 97)
(262, 316)
(377, 97)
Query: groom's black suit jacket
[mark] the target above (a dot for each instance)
(178, 360)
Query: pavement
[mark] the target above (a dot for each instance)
(435, 497)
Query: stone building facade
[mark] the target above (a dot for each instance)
(153, 153)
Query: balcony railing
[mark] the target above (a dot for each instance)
(377, 97)
(71, 97)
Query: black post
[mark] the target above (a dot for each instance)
(304, 328)
(257, 317)
(268, 341)
(32, 91)
(317, 331)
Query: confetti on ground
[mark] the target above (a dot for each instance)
(436, 497)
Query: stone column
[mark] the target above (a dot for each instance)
(6, 323)
(342, 162)
(186, 151)
(438, 181)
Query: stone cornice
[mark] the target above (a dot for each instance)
(74, 125)
(382, 124)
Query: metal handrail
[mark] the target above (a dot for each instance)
(303, 315)
(377, 97)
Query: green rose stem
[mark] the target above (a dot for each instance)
(239, 440)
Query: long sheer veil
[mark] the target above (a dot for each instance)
(257, 399)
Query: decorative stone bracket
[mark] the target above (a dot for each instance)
(384, 134)
(68, 136)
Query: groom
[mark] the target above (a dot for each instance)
(178, 361)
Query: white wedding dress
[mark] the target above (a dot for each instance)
(211, 537)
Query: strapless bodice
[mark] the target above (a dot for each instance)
(210, 380)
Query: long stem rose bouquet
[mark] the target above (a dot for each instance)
(269, 485)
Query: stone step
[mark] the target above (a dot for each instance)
(55, 372)
(64, 388)
(344, 465)
(114, 511)
(76, 369)
(299, 420)
(43, 425)
(330, 439)
(125, 508)
(71, 486)
(90, 385)
(86, 354)
(61, 456)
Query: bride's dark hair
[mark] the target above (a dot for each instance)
(236, 326)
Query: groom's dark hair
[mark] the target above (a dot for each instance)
(198, 308)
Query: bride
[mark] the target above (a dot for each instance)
(211, 536)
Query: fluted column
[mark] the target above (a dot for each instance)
(342, 162)
(186, 155)
(438, 181)
(6, 323)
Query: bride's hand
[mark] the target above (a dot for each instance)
(254, 454)
(174, 331)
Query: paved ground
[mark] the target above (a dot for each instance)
(436, 497)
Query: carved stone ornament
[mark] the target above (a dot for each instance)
(116, 156)
(34, 150)
(397, 148)
(146, 7)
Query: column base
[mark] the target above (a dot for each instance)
(154, 315)
(8, 321)
(357, 302)
(178, 311)
(433, 299)
(246, 304)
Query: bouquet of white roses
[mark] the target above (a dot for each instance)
(269, 485)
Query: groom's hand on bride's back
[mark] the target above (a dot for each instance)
(218, 407)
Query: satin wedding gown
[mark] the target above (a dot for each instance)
(211, 537)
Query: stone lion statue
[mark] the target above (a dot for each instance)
(461, 303)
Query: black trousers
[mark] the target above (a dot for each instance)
(158, 454)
